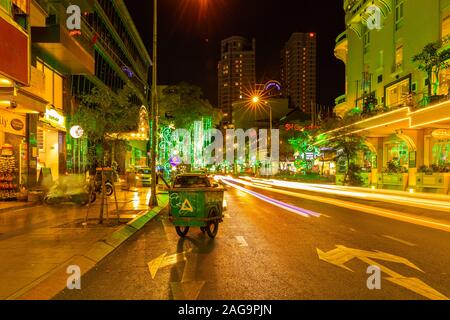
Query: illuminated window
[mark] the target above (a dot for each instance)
(399, 13)
(398, 57)
(48, 73)
(58, 91)
(441, 152)
(398, 152)
(397, 94)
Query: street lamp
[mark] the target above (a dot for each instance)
(256, 102)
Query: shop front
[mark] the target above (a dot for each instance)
(13, 154)
(136, 155)
(51, 138)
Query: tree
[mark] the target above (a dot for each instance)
(302, 140)
(347, 146)
(102, 114)
(183, 104)
(432, 60)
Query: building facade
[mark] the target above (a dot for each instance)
(107, 52)
(45, 67)
(406, 129)
(236, 73)
(299, 71)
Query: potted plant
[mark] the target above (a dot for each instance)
(394, 176)
(434, 179)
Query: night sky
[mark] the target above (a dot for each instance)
(190, 32)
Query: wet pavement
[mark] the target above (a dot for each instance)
(36, 240)
(264, 251)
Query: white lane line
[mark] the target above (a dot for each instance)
(401, 241)
(241, 241)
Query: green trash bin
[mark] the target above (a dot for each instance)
(194, 201)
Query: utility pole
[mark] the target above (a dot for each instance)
(154, 134)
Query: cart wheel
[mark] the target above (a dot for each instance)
(182, 231)
(213, 225)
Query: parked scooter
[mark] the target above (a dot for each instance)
(65, 192)
(95, 188)
(95, 184)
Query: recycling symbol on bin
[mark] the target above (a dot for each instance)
(175, 200)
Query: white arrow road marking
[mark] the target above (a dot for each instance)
(241, 241)
(342, 254)
(164, 261)
(189, 288)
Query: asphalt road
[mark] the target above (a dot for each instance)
(266, 252)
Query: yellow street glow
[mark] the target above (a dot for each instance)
(255, 99)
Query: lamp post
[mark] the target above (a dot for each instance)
(256, 100)
(153, 199)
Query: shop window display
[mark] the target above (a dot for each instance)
(441, 153)
(8, 174)
(398, 152)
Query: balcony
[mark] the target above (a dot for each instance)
(66, 50)
(341, 47)
(435, 116)
(341, 107)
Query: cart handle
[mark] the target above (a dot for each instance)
(164, 180)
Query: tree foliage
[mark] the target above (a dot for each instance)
(432, 60)
(183, 104)
(102, 114)
(347, 146)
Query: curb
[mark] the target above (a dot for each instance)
(55, 281)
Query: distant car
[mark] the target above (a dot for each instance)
(143, 176)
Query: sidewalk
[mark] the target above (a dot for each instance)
(37, 244)
(14, 205)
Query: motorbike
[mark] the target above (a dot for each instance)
(95, 187)
(64, 193)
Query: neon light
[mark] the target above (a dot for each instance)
(370, 119)
(430, 122)
(429, 108)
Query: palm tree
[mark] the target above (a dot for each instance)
(432, 60)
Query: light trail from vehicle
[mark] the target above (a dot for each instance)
(405, 217)
(302, 212)
(432, 204)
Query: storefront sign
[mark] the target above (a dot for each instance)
(54, 118)
(14, 62)
(12, 123)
